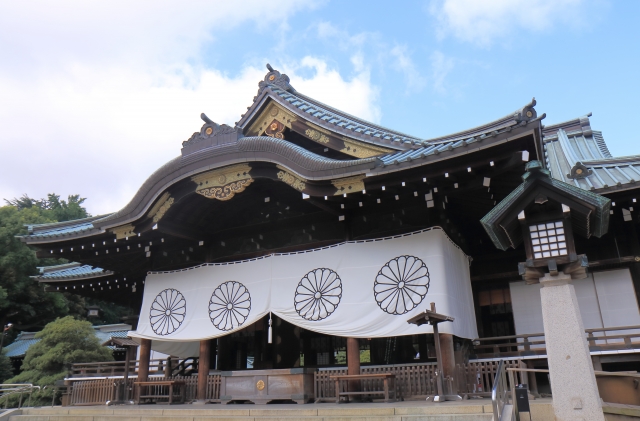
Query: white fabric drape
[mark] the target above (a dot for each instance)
(360, 289)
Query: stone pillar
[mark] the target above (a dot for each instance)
(143, 365)
(573, 383)
(448, 360)
(203, 369)
(353, 363)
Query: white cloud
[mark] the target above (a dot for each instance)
(404, 64)
(355, 96)
(441, 66)
(482, 22)
(99, 95)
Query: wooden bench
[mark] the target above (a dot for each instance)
(140, 388)
(385, 381)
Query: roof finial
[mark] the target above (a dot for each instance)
(275, 78)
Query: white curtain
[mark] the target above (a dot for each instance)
(361, 289)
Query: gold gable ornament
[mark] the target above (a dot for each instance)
(266, 118)
(224, 183)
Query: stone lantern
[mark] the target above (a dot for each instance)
(545, 214)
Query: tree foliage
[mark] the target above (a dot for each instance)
(22, 300)
(57, 209)
(62, 342)
(6, 369)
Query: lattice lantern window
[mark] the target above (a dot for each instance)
(548, 239)
(548, 236)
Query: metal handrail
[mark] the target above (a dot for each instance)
(9, 389)
(499, 392)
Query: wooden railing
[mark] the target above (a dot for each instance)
(412, 381)
(419, 380)
(534, 343)
(168, 367)
(415, 380)
(101, 391)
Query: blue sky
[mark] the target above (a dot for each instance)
(96, 96)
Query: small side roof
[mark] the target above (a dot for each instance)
(70, 271)
(589, 211)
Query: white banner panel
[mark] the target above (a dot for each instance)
(361, 289)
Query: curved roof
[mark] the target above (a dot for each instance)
(578, 155)
(217, 146)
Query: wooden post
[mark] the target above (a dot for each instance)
(436, 338)
(448, 360)
(168, 370)
(143, 367)
(353, 363)
(533, 383)
(127, 366)
(203, 369)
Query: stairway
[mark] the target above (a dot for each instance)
(405, 411)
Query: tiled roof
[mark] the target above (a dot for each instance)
(578, 155)
(70, 271)
(297, 154)
(20, 346)
(341, 120)
(63, 230)
(277, 87)
(25, 339)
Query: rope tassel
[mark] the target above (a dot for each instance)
(269, 334)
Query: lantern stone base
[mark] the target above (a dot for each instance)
(573, 382)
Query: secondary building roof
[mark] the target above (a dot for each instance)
(578, 155)
(25, 340)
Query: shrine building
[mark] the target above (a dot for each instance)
(304, 238)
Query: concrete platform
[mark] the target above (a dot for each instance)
(470, 410)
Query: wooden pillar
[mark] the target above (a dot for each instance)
(597, 365)
(143, 365)
(130, 352)
(436, 339)
(203, 369)
(353, 362)
(448, 355)
(533, 382)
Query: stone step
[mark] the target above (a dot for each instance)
(467, 412)
(435, 417)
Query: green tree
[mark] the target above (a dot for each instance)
(6, 369)
(55, 208)
(62, 342)
(22, 300)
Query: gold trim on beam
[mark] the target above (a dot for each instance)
(123, 231)
(295, 182)
(224, 183)
(316, 136)
(348, 185)
(158, 204)
(163, 209)
(362, 150)
(266, 117)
